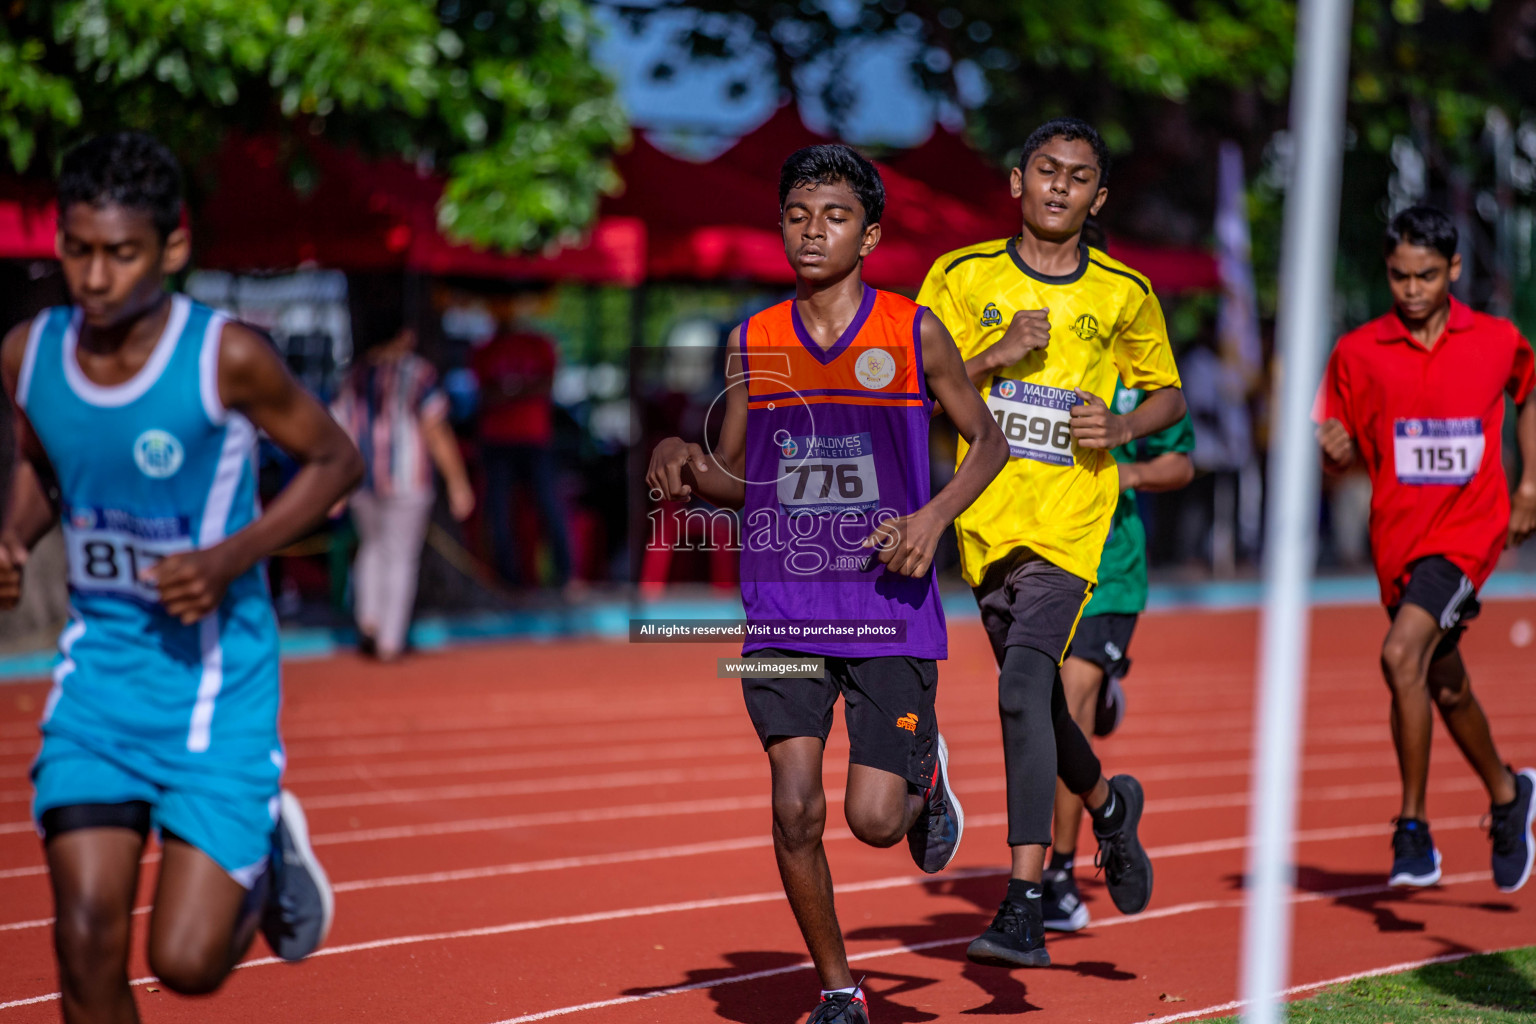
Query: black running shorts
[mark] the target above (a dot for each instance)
(133, 815)
(1440, 588)
(888, 704)
(1027, 601)
(1105, 640)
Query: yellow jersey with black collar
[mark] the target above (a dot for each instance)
(1052, 497)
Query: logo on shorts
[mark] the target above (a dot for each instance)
(908, 722)
(1086, 327)
(157, 454)
(1007, 389)
(875, 368)
(1113, 650)
(990, 317)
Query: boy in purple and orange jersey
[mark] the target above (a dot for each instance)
(1417, 396)
(824, 446)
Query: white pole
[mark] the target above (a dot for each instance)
(1303, 326)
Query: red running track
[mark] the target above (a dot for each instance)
(580, 832)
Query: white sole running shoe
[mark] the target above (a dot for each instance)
(301, 904)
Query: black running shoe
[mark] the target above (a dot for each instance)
(300, 904)
(1415, 861)
(1062, 905)
(934, 838)
(841, 1008)
(1110, 708)
(1514, 845)
(1126, 866)
(1016, 938)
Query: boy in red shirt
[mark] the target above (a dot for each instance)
(1417, 396)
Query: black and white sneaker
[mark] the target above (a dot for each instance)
(300, 905)
(841, 1008)
(1126, 866)
(1016, 938)
(1415, 861)
(1062, 905)
(1110, 709)
(934, 838)
(1510, 828)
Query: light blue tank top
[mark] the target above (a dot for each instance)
(148, 468)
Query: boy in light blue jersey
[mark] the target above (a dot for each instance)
(136, 417)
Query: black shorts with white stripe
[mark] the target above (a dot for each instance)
(1435, 584)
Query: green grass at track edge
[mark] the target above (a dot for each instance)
(1488, 988)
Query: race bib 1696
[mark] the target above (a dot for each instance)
(1036, 419)
(1445, 451)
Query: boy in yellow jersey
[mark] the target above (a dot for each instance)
(1046, 324)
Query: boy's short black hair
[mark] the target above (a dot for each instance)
(1071, 129)
(131, 169)
(824, 165)
(1425, 226)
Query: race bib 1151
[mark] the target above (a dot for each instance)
(109, 549)
(1448, 451)
(1036, 419)
(826, 475)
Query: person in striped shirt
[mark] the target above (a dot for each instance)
(393, 407)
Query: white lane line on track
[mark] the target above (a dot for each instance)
(1343, 979)
(766, 897)
(755, 842)
(1168, 805)
(647, 754)
(964, 732)
(918, 947)
(991, 783)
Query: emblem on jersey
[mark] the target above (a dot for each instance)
(875, 368)
(789, 448)
(990, 317)
(1412, 428)
(83, 518)
(157, 454)
(1007, 389)
(1086, 326)
(1125, 401)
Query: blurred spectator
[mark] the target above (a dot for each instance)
(391, 404)
(515, 371)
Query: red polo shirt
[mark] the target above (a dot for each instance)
(1428, 424)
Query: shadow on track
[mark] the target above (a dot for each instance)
(792, 994)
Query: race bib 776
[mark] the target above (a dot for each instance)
(826, 475)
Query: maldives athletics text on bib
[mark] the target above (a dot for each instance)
(827, 475)
(1437, 451)
(1036, 419)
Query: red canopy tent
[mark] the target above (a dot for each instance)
(674, 220)
(378, 215)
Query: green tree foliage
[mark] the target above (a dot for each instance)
(502, 96)
(1166, 81)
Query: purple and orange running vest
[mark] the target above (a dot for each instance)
(837, 442)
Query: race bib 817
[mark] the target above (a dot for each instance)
(1036, 419)
(826, 475)
(109, 549)
(1448, 451)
